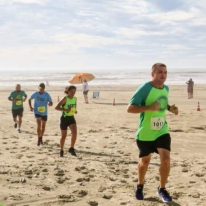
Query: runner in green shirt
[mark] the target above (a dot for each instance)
(17, 98)
(151, 101)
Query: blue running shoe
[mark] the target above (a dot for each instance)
(139, 192)
(162, 192)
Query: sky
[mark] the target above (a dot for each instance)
(106, 35)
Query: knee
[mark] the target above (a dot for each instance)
(144, 163)
(74, 133)
(165, 161)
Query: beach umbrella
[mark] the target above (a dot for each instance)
(80, 77)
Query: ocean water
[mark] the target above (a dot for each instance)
(32, 78)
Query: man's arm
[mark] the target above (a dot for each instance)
(25, 97)
(31, 108)
(11, 99)
(138, 109)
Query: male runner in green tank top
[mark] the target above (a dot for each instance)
(151, 101)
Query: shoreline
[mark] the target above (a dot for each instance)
(96, 87)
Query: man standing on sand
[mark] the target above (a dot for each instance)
(41, 100)
(17, 98)
(85, 91)
(151, 101)
(190, 85)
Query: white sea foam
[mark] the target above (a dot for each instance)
(101, 78)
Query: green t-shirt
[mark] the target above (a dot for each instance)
(19, 97)
(152, 124)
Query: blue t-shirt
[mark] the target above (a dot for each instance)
(41, 101)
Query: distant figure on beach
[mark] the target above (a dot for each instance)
(85, 90)
(151, 101)
(17, 98)
(190, 86)
(41, 100)
(47, 82)
(68, 106)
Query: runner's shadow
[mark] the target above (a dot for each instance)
(109, 103)
(97, 154)
(173, 203)
(157, 200)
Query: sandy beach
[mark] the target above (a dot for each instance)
(104, 171)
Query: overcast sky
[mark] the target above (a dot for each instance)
(102, 34)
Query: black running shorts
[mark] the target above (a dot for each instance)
(66, 122)
(85, 92)
(44, 118)
(147, 147)
(17, 112)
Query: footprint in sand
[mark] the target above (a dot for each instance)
(66, 198)
(14, 197)
(60, 173)
(61, 180)
(107, 196)
(19, 156)
(84, 179)
(93, 203)
(80, 193)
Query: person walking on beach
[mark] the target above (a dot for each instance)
(190, 85)
(17, 98)
(41, 100)
(85, 90)
(151, 101)
(68, 106)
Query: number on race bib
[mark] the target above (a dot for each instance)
(157, 123)
(19, 102)
(41, 109)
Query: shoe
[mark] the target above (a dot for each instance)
(139, 192)
(18, 130)
(72, 151)
(15, 125)
(162, 192)
(61, 153)
(39, 141)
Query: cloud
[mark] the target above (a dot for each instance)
(5, 2)
(170, 5)
(113, 32)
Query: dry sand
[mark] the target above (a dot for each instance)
(104, 171)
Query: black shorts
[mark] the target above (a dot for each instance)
(85, 92)
(17, 112)
(66, 121)
(147, 147)
(44, 118)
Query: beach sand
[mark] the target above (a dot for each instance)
(104, 171)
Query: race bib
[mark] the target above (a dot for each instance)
(157, 123)
(73, 110)
(19, 102)
(41, 109)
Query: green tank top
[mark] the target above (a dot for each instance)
(70, 103)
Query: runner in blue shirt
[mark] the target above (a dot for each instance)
(41, 100)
